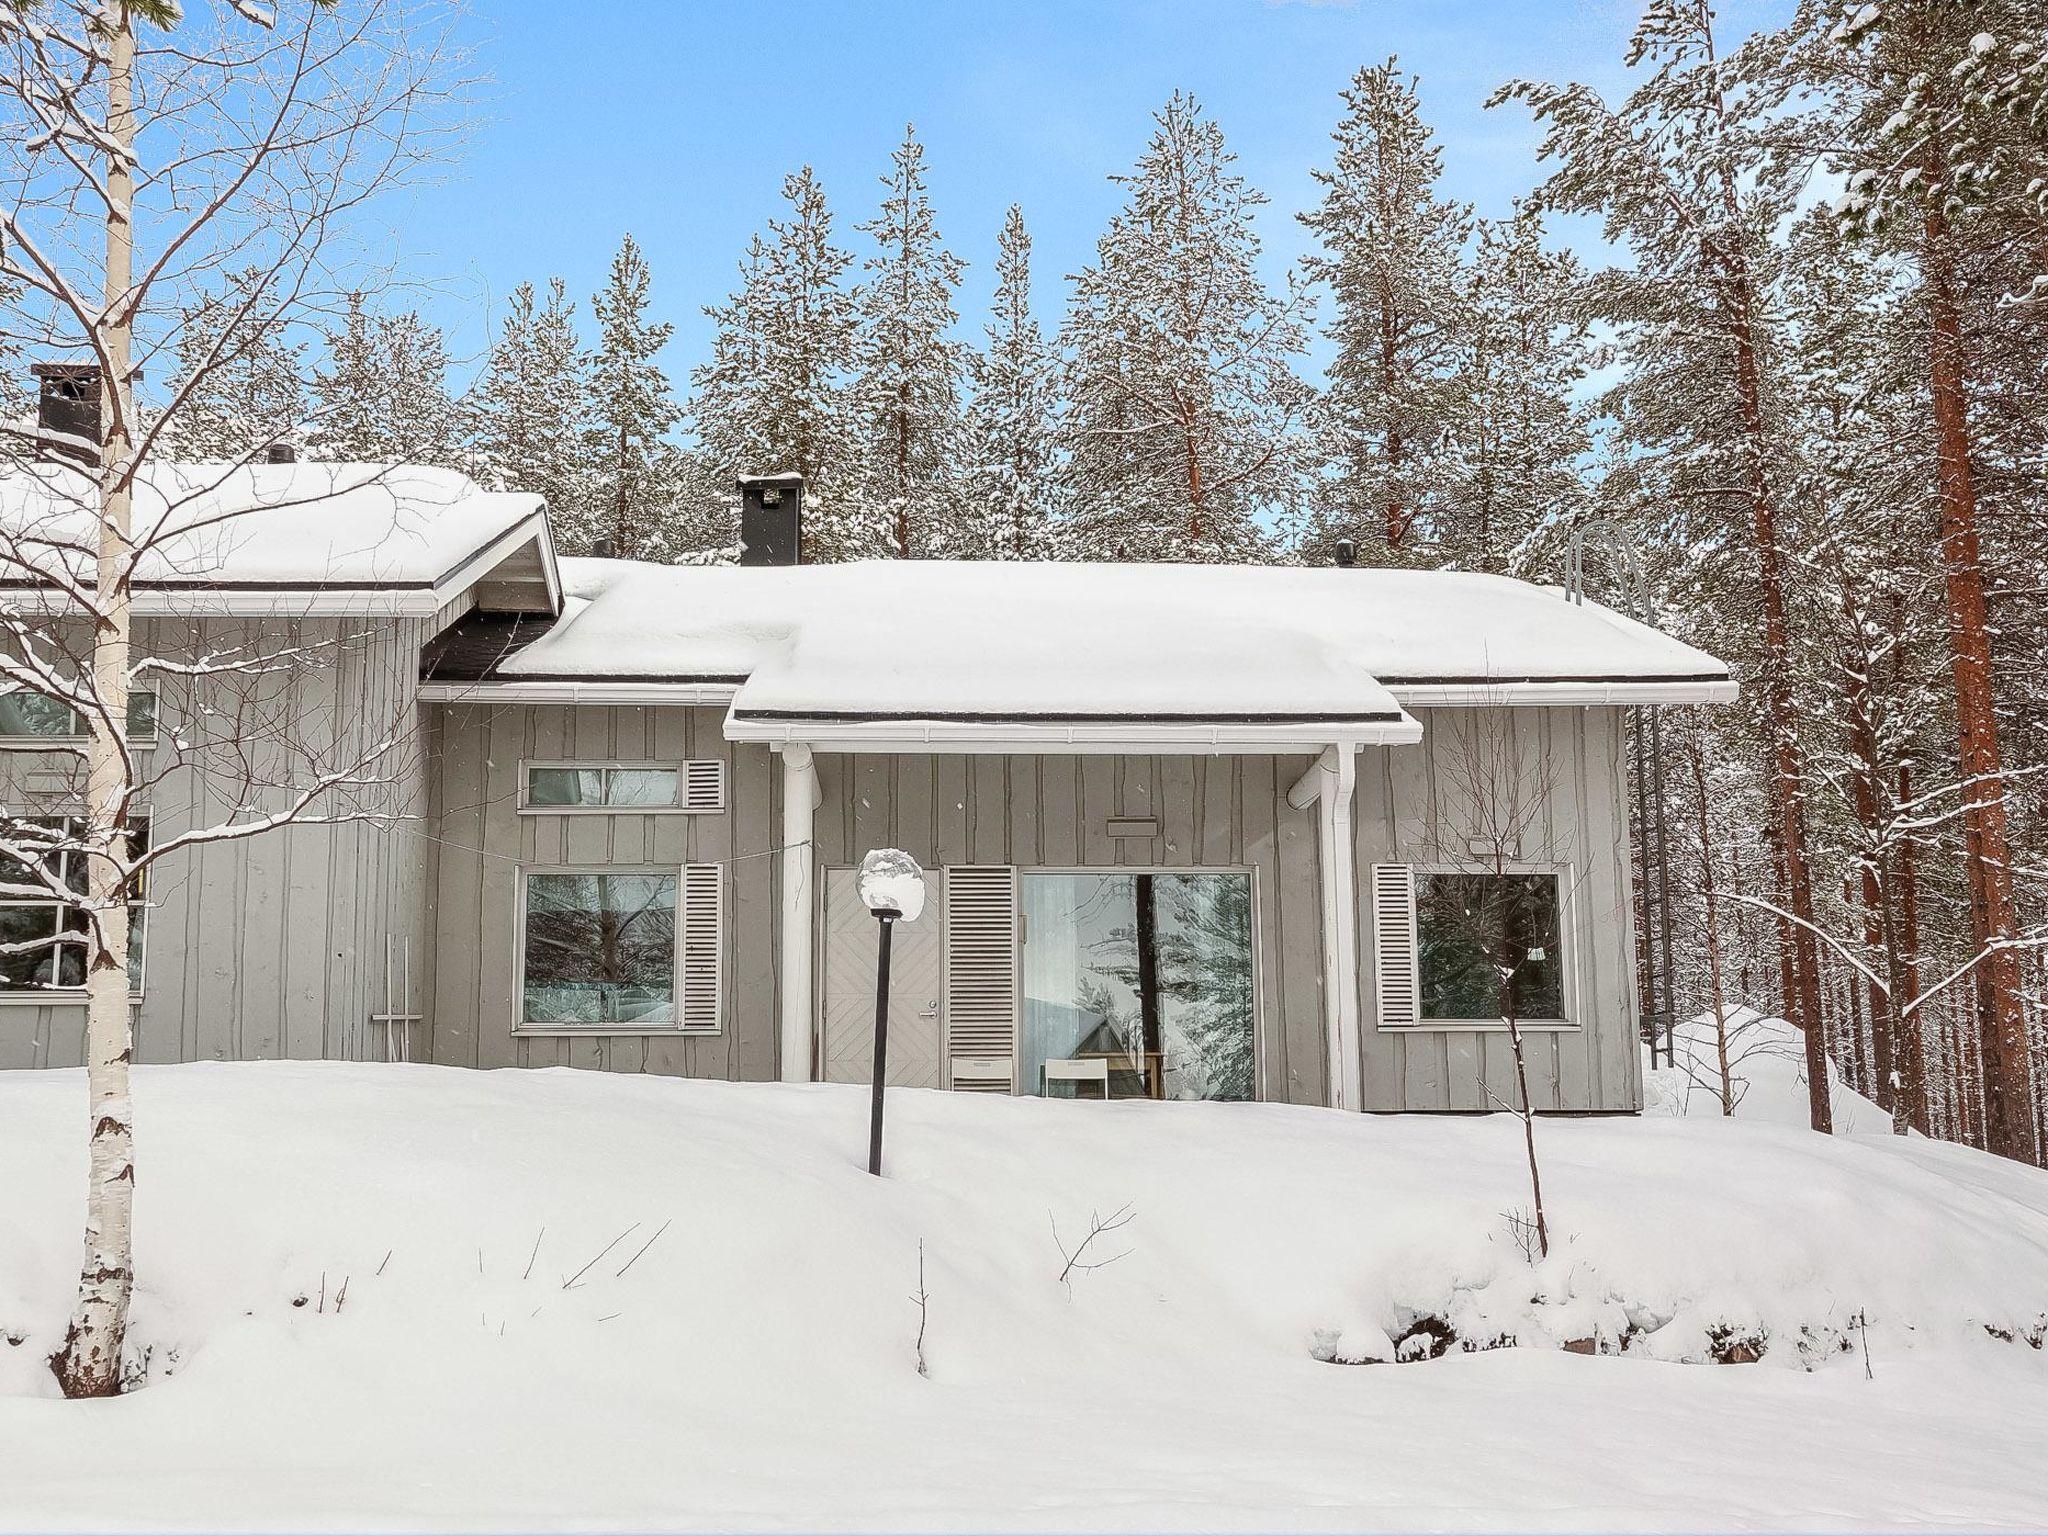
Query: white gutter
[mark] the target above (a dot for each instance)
(1424, 694)
(504, 691)
(800, 797)
(1135, 736)
(1331, 784)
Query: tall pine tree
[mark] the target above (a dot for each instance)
(629, 416)
(908, 392)
(525, 410)
(1185, 430)
(1684, 175)
(1012, 437)
(383, 395)
(242, 384)
(1391, 249)
(1511, 479)
(774, 396)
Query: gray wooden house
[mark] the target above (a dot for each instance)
(1192, 832)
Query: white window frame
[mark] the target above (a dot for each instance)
(678, 766)
(1249, 871)
(1567, 939)
(75, 737)
(31, 997)
(522, 1027)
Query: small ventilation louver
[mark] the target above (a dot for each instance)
(1393, 927)
(704, 784)
(703, 943)
(981, 978)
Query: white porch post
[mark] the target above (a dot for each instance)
(800, 796)
(1331, 783)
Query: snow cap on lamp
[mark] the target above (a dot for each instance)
(891, 881)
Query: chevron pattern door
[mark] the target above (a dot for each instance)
(916, 973)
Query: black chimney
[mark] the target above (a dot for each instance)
(1347, 553)
(604, 549)
(70, 404)
(281, 453)
(771, 519)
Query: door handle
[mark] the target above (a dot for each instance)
(931, 1012)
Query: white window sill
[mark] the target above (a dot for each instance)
(600, 1031)
(1474, 1027)
(64, 743)
(55, 997)
(620, 810)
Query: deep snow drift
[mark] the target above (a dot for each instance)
(406, 1296)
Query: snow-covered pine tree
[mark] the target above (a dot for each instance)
(1512, 465)
(1186, 424)
(241, 383)
(1683, 174)
(628, 417)
(1391, 257)
(907, 396)
(525, 410)
(383, 395)
(774, 395)
(1012, 453)
(1930, 159)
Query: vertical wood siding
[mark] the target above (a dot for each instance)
(1407, 813)
(271, 945)
(1054, 811)
(483, 840)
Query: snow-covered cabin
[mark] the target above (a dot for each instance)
(1190, 831)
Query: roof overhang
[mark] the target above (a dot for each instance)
(566, 691)
(1131, 733)
(200, 598)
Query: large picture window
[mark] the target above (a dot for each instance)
(600, 948)
(1469, 926)
(1138, 985)
(56, 960)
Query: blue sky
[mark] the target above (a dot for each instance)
(676, 120)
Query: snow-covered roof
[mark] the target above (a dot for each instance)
(970, 641)
(223, 537)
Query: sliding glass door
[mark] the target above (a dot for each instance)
(1138, 985)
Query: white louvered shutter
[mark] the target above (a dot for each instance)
(704, 784)
(1393, 936)
(702, 936)
(981, 978)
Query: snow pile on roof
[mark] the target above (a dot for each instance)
(413, 1297)
(1020, 638)
(303, 524)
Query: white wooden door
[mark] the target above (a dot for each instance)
(916, 977)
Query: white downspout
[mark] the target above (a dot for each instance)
(1332, 783)
(800, 797)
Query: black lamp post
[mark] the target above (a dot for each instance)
(892, 887)
(887, 917)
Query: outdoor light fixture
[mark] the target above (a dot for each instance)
(892, 887)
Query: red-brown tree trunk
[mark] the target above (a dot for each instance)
(2008, 1077)
(1788, 769)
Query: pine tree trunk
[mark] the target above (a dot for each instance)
(1789, 773)
(89, 1364)
(2008, 1089)
(1717, 996)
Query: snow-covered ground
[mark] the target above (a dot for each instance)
(406, 1296)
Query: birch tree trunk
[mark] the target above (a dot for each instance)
(89, 1364)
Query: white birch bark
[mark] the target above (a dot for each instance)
(89, 1365)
